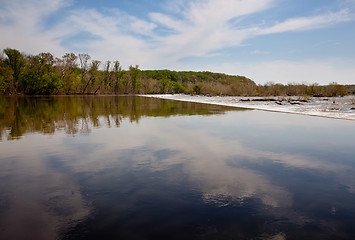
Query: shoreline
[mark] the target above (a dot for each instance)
(331, 107)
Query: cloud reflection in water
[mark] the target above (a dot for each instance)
(162, 153)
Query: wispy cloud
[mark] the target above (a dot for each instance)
(197, 29)
(308, 23)
(259, 52)
(204, 27)
(186, 29)
(116, 35)
(22, 25)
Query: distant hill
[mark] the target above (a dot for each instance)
(207, 83)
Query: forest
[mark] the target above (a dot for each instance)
(45, 74)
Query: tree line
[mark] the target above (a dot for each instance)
(45, 74)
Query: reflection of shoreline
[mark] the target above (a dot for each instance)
(337, 107)
(78, 114)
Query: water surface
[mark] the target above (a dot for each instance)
(125, 167)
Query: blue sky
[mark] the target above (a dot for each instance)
(286, 41)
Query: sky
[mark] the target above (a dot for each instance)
(279, 41)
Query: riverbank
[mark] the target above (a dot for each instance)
(332, 107)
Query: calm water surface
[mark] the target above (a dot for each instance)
(125, 167)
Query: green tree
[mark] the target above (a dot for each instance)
(7, 83)
(334, 89)
(134, 74)
(15, 61)
(38, 76)
(117, 75)
(197, 89)
(164, 85)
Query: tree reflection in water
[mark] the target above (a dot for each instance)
(73, 114)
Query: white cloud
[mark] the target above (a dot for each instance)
(308, 23)
(195, 29)
(21, 25)
(167, 21)
(204, 27)
(118, 35)
(259, 52)
(201, 30)
(217, 12)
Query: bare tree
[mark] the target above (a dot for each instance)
(84, 59)
(93, 73)
(107, 73)
(46, 58)
(70, 60)
(106, 79)
(65, 67)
